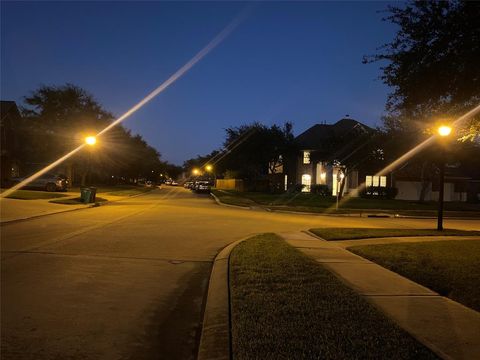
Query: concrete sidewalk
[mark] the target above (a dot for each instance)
(448, 328)
(16, 209)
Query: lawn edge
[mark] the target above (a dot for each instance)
(215, 338)
(221, 203)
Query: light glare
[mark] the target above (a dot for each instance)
(444, 130)
(91, 140)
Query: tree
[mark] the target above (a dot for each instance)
(58, 118)
(255, 149)
(432, 64)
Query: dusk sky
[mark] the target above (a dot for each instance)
(298, 62)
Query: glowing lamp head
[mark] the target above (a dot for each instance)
(91, 140)
(208, 167)
(196, 171)
(444, 130)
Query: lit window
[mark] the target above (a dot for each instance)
(383, 181)
(306, 182)
(376, 181)
(306, 157)
(368, 181)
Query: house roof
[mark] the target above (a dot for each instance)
(319, 136)
(8, 107)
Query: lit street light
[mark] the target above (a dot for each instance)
(209, 169)
(196, 171)
(91, 140)
(443, 131)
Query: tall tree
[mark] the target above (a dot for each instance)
(254, 148)
(58, 118)
(432, 64)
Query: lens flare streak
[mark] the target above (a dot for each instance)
(178, 74)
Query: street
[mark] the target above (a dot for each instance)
(128, 280)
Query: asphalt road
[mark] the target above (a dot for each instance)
(128, 280)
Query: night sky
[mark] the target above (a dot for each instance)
(298, 62)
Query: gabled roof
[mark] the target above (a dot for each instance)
(319, 136)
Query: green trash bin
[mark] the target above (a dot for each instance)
(85, 195)
(93, 194)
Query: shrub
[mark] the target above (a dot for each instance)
(322, 190)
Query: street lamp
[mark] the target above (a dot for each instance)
(443, 131)
(209, 169)
(91, 140)
(196, 171)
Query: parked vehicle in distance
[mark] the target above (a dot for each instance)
(168, 182)
(202, 186)
(174, 183)
(188, 184)
(47, 182)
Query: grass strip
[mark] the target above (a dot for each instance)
(318, 203)
(287, 306)
(34, 195)
(365, 233)
(451, 268)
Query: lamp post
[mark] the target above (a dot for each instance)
(209, 169)
(340, 176)
(443, 131)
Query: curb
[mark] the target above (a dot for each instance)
(219, 202)
(93, 205)
(215, 342)
(365, 214)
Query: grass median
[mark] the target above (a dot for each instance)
(287, 306)
(309, 202)
(34, 195)
(365, 233)
(451, 268)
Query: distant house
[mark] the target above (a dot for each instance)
(324, 151)
(9, 118)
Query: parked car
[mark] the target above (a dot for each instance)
(188, 184)
(168, 182)
(47, 182)
(174, 183)
(202, 186)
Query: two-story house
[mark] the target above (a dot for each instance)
(324, 152)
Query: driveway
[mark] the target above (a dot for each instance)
(128, 280)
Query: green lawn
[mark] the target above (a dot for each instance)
(34, 195)
(359, 233)
(451, 268)
(284, 305)
(317, 203)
